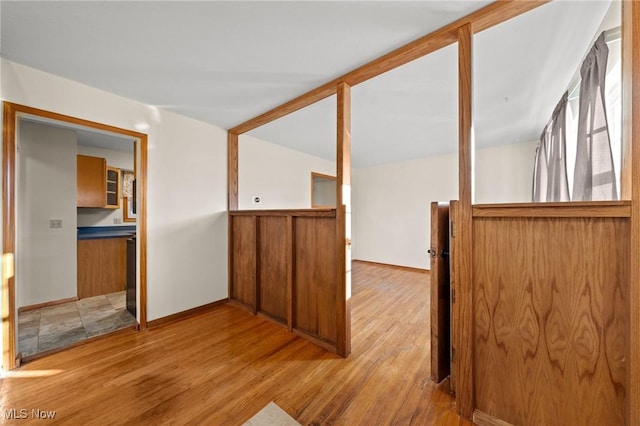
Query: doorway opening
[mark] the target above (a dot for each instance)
(72, 261)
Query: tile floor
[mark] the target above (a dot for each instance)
(53, 327)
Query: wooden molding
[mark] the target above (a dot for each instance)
(46, 304)
(324, 344)
(483, 419)
(8, 236)
(323, 176)
(488, 16)
(389, 265)
(125, 211)
(573, 209)
(186, 314)
(11, 112)
(141, 226)
(631, 129)
(243, 306)
(294, 213)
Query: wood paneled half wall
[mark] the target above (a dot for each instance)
(284, 265)
(550, 317)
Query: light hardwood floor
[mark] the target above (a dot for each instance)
(223, 366)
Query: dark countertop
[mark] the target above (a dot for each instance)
(99, 232)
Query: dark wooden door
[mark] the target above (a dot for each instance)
(440, 299)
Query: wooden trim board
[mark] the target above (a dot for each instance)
(178, 316)
(388, 265)
(631, 131)
(483, 419)
(46, 304)
(8, 237)
(292, 213)
(574, 209)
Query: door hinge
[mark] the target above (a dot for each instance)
(453, 295)
(453, 230)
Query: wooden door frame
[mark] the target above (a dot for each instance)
(11, 113)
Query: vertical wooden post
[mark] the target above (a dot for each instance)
(343, 220)
(232, 201)
(8, 239)
(141, 207)
(631, 189)
(232, 171)
(464, 228)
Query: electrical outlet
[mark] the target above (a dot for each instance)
(117, 220)
(55, 223)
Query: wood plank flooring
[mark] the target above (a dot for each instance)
(223, 366)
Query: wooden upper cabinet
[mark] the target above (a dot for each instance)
(113, 188)
(92, 181)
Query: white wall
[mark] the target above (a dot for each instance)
(391, 203)
(504, 174)
(280, 176)
(105, 217)
(47, 258)
(187, 220)
(391, 208)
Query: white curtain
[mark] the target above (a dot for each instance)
(594, 176)
(550, 181)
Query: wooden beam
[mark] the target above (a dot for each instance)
(8, 237)
(631, 130)
(464, 229)
(482, 19)
(343, 217)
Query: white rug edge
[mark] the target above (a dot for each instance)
(271, 415)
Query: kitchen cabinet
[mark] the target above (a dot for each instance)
(99, 185)
(102, 266)
(113, 188)
(91, 181)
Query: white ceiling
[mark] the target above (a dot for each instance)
(226, 62)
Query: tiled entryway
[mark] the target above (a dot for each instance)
(53, 327)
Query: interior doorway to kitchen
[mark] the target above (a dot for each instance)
(72, 264)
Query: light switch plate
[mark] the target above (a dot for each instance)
(55, 223)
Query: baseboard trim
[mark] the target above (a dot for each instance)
(324, 344)
(46, 304)
(388, 265)
(481, 418)
(185, 314)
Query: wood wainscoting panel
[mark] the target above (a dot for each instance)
(273, 252)
(314, 276)
(243, 284)
(551, 319)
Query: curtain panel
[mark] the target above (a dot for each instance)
(594, 176)
(550, 182)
